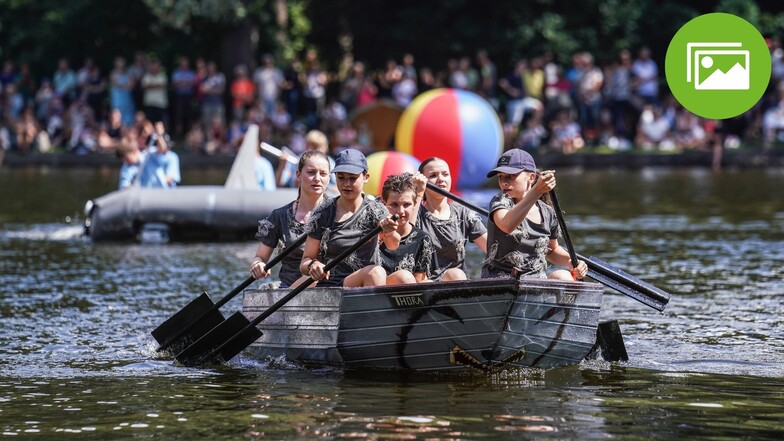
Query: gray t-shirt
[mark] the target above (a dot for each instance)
(335, 237)
(525, 248)
(450, 236)
(414, 254)
(280, 230)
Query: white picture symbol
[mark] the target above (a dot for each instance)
(700, 64)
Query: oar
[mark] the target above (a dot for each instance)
(200, 315)
(562, 223)
(598, 270)
(237, 333)
(278, 153)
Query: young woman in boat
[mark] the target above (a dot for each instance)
(450, 226)
(412, 260)
(523, 230)
(286, 224)
(339, 223)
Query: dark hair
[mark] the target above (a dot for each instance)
(428, 161)
(309, 154)
(399, 183)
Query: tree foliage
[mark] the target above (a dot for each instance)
(40, 31)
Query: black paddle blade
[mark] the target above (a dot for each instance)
(627, 290)
(196, 319)
(222, 343)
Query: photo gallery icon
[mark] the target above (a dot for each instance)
(717, 66)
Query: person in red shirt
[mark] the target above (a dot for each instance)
(243, 93)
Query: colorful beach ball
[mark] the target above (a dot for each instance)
(383, 164)
(456, 125)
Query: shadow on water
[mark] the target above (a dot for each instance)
(76, 355)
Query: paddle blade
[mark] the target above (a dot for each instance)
(188, 324)
(627, 290)
(222, 343)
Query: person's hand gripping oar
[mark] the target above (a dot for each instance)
(200, 315)
(579, 267)
(237, 332)
(599, 270)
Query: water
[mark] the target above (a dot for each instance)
(77, 360)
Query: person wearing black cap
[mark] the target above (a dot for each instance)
(522, 229)
(339, 223)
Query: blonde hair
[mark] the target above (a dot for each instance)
(319, 139)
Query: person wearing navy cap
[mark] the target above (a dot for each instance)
(339, 223)
(523, 231)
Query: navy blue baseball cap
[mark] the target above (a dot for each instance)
(350, 161)
(513, 161)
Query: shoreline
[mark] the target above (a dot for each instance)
(627, 160)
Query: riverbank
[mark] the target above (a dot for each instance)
(745, 158)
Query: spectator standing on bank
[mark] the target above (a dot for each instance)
(212, 88)
(120, 97)
(8, 74)
(94, 91)
(514, 88)
(269, 80)
(243, 93)
(292, 87)
(156, 97)
(137, 70)
(64, 82)
(183, 81)
(488, 78)
(589, 96)
(349, 89)
(618, 91)
(646, 75)
(314, 92)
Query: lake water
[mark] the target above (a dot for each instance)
(77, 360)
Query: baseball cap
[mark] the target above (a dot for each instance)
(350, 161)
(513, 161)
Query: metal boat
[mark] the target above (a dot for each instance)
(481, 324)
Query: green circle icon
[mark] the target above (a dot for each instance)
(717, 66)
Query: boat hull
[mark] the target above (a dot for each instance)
(198, 212)
(483, 325)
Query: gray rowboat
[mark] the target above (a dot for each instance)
(481, 324)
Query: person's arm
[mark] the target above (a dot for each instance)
(258, 267)
(557, 255)
(508, 220)
(310, 265)
(481, 242)
(420, 181)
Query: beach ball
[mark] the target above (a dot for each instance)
(456, 125)
(383, 164)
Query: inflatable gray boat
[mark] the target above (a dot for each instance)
(189, 212)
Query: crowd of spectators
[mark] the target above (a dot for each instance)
(618, 103)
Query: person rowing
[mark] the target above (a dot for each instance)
(523, 230)
(450, 226)
(412, 261)
(339, 223)
(286, 224)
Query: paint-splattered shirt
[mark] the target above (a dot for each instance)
(414, 254)
(450, 236)
(335, 237)
(525, 248)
